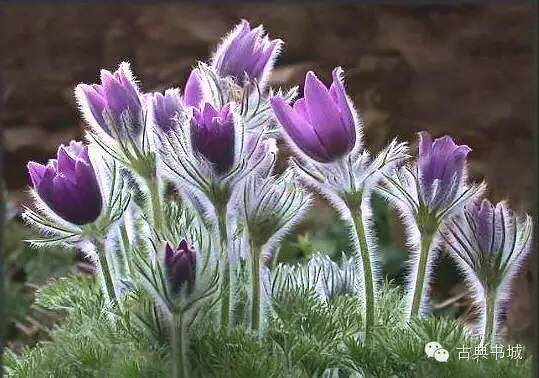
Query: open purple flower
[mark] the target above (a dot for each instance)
(193, 94)
(321, 123)
(441, 167)
(116, 94)
(68, 184)
(212, 135)
(180, 264)
(246, 54)
(165, 107)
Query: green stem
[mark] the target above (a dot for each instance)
(225, 273)
(426, 240)
(155, 198)
(105, 276)
(489, 332)
(255, 278)
(368, 277)
(179, 348)
(126, 248)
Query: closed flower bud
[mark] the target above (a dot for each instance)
(490, 240)
(117, 93)
(321, 123)
(165, 107)
(489, 243)
(180, 265)
(212, 135)
(68, 184)
(246, 54)
(441, 167)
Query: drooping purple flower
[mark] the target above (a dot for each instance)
(165, 107)
(246, 53)
(212, 135)
(321, 123)
(441, 167)
(193, 94)
(116, 94)
(68, 184)
(180, 264)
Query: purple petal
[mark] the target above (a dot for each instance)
(193, 93)
(338, 94)
(325, 118)
(115, 94)
(36, 171)
(66, 163)
(96, 102)
(299, 130)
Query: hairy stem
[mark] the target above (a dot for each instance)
(368, 277)
(489, 331)
(155, 199)
(225, 269)
(105, 274)
(255, 278)
(426, 241)
(180, 368)
(126, 247)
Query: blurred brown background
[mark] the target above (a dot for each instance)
(462, 70)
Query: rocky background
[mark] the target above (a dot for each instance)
(462, 70)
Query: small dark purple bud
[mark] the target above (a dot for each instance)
(246, 53)
(441, 162)
(193, 94)
(180, 264)
(165, 107)
(117, 93)
(68, 184)
(321, 124)
(212, 135)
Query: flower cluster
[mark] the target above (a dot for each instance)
(182, 252)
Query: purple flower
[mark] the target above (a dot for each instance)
(212, 135)
(246, 52)
(321, 123)
(489, 241)
(193, 93)
(117, 93)
(165, 107)
(68, 184)
(180, 265)
(441, 167)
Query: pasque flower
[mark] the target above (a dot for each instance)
(246, 54)
(180, 264)
(212, 135)
(321, 123)
(428, 193)
(68, 184)
(489, 242)
(117, 95)
(330, 158)
(441, 169)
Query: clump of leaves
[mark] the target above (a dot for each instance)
(306, 336)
